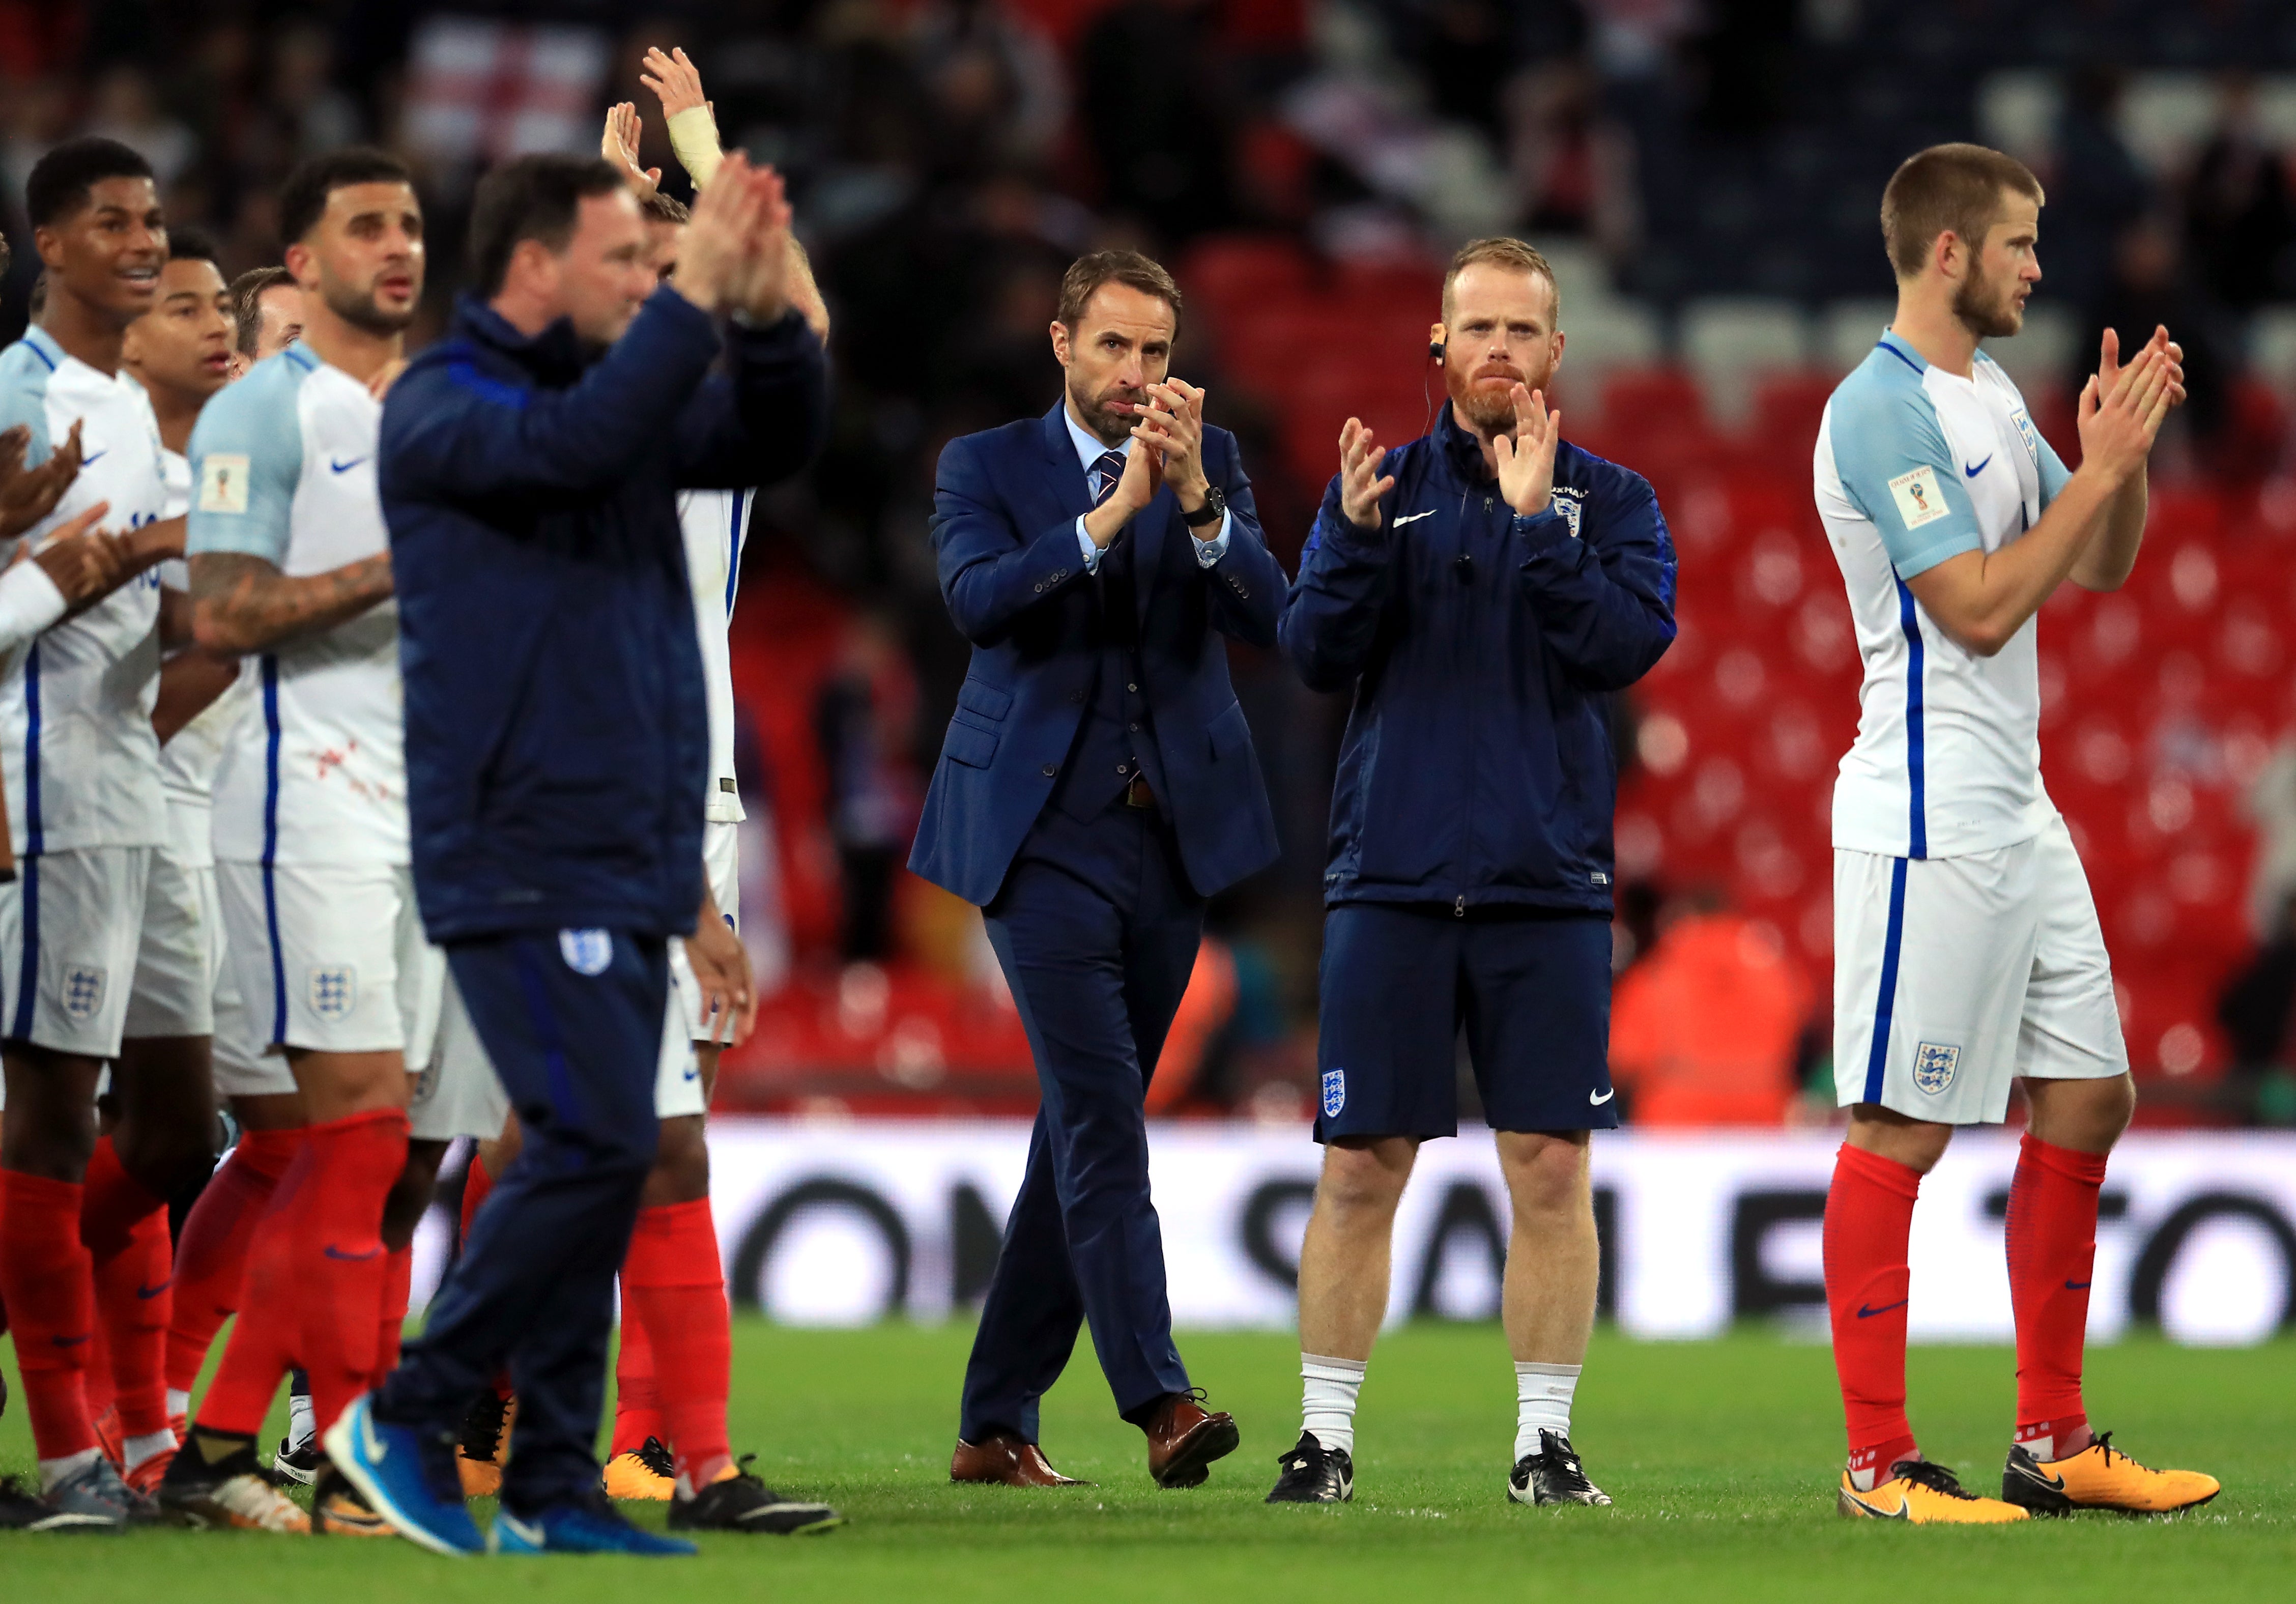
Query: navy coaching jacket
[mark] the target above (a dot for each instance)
(1003, 531)
(557, 739)
(1477, 769)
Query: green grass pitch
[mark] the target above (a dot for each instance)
(1721, 1456)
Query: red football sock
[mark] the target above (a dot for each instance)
(2051, 1234)
(1869, 1219)
(211, 1256)
(345, 1266)
(673, 1277)
(44, 1275)
(397, 1292)
(124, 1226)
(637, 1405)
(476, 1184)
(95, 1384)
(132, 1304)
(265, 1342)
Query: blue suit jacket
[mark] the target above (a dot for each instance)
(1003, 531)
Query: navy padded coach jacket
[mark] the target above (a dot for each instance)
(1482, 648)
(557, 739)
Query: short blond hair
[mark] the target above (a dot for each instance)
(1957, 189)
(1501, 250)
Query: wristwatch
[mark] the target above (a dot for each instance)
(1214, 509)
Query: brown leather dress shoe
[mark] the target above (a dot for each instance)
(1183, 1439)
(1001, 1460)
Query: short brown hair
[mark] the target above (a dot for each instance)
(247, 292)
(1501, 250)
(1087, 273)
(660, 208)
(1953, 189)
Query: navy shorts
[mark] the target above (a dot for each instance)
(1531, 991)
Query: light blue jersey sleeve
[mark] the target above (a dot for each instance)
(24, 372)
(1890, 453)
(2054, 474)
(247, 458)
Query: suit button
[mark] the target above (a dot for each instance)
(1133, 727)
(1123, 768)
(1050, 769)
(1131, 687)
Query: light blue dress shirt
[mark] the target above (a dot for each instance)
(1089, 450)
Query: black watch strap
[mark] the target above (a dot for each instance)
(1214, 509)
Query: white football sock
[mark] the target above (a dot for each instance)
(179, 1402)
(1327, 1399)
(54, 1470)
(136, 1450)
(1542, 1402)
(301, 1427)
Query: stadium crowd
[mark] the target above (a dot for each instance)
(1687, 165)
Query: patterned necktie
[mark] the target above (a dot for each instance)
(1107, 470)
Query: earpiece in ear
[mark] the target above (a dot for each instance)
(1435, 350)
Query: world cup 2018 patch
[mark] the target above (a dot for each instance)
(1934, 1066)
(1919, 500)
(1335, 1093)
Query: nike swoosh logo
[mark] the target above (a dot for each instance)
(89, 460)
(2076, 1286)
(1897, 1514)
(70, 1341)
(1399, 522)
(1607, 1096)
(2054, 1484)
(335, 1252)
(340, 466)
(1969, 472)
(525, 1533)
(1864, 1312)
(151, 1292)
(371, 1445)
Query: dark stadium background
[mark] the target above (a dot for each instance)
(1705, 178)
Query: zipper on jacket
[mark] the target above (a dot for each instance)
(1459, 908)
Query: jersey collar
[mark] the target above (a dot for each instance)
(1904, 352)
(43, 344)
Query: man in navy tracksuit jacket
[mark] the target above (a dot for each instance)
(556, 738)
(1482, 591)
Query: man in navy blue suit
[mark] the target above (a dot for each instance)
(1097, 783)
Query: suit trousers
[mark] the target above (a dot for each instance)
(572, 1020)
(1096, 928)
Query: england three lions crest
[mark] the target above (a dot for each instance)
(1933, 1066)
(1335, 1093)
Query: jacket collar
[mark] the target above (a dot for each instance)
(1462, 452)
(555, 356)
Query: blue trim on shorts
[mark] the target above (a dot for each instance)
(1877, 1059)
(27, 978)
(1916, 758)
(733, 553)
(271, 848)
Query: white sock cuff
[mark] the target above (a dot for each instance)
(1323, 1367)
(1532, 1367)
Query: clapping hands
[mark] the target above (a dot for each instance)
(736, 255)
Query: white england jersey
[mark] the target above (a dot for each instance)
(189, 760)
(716, 522)
(83, 766)
(1916, 465)
(284, 468)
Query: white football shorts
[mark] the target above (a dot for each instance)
(71, 923)
(460, 1094)
(179, 950)
(1954, 976)
(331, 958)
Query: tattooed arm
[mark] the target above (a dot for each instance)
(242, 603)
